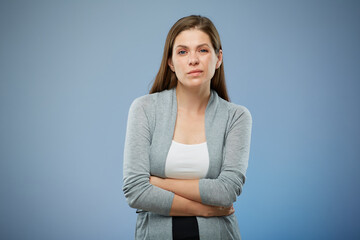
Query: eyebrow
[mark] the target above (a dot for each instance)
(184, 46)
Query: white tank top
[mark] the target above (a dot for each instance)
(187, 161)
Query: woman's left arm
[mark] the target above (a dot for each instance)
(223, 190)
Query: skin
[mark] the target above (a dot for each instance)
(193, 51)
(194, 62)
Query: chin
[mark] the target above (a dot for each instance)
(194, 83)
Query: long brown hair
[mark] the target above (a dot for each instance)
(166, 79)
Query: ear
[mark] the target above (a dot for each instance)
(219, 61)
(170, 63)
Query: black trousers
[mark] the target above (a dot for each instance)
(185, 228)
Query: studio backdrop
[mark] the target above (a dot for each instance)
(69, 71)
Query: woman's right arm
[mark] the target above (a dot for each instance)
(138, 191)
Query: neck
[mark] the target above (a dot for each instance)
(192, 100)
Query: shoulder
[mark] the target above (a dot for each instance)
(143, 102)
(148, 103)
(235, 111)
(238, 118)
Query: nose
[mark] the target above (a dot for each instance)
(193, 59)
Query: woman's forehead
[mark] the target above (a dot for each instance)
(191, 38)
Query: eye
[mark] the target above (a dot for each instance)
(204, 50)
(181, 52)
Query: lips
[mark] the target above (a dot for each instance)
(195, 71)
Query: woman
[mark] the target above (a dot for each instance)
(187, 147)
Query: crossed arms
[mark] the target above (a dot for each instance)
(174, 197)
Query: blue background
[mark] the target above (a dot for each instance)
(70, 69)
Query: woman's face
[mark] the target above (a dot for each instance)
(194, 60)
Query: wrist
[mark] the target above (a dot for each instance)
(202, 210)
(198, 209)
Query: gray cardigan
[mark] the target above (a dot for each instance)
(149, 133)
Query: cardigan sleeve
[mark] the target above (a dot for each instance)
(138, 191)
(223, 190)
